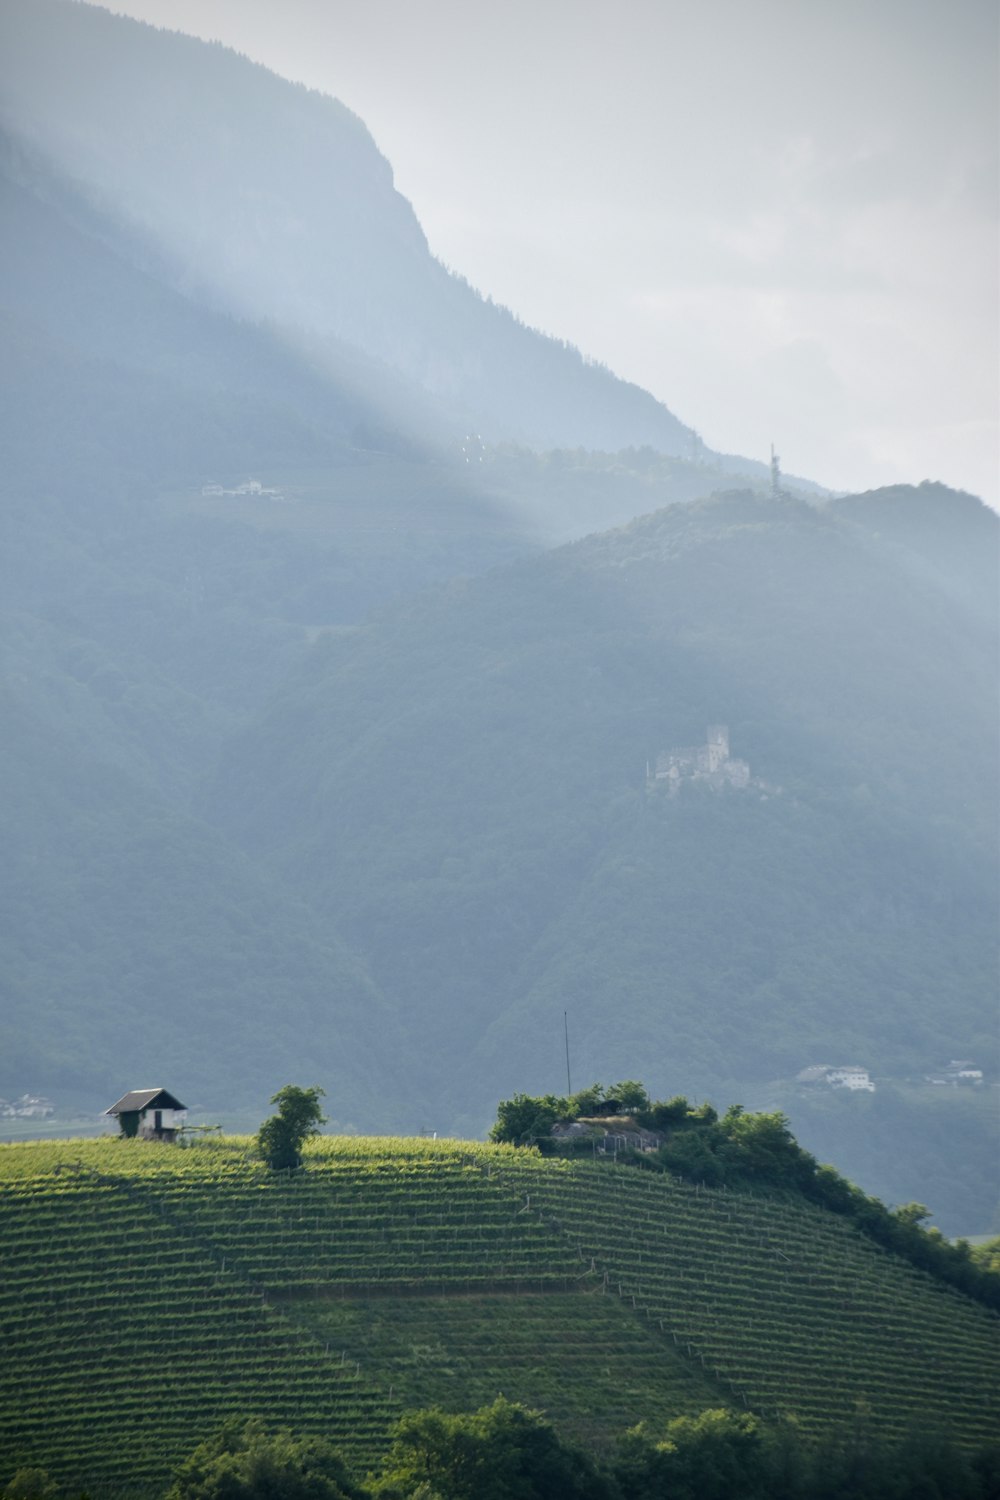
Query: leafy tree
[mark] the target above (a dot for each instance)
(246, 1462)
(501, 1452)
(281, 1138)
(630, 1096)
(31, 1484)
(667, 1112)
(987, 1255)
(522, 1119)
(714, 1456)
(762, 1146)
(587, 1101)
(694, 1154)
(914, 1214)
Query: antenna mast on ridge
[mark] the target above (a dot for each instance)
(775, 472)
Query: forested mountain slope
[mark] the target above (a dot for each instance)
(96, 308)
(273, 202)
(137, 941)
(124, 396)
(142, 623)
(463, 785)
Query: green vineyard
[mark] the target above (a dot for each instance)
(148, 1292)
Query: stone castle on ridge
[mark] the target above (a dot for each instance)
(709, 763)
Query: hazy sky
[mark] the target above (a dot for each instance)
(780, 216)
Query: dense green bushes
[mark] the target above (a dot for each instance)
(724, 1454)
(506, 1452)
(246, 1462)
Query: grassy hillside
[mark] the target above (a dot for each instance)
(151, 1291)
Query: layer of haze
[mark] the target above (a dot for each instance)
(779, 218)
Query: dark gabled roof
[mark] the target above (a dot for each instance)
(139, 1099)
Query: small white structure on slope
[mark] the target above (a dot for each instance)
(847, 1077)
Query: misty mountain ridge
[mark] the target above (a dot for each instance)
(272, 202)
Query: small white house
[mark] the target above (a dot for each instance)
(962, 1072)
(837, 1078)
(850, 1078)
(150, 1114)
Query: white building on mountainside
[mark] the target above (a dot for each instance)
(252, 487)
(960, 1073)
(853, 1078)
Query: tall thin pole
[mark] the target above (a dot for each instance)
(569, 1086)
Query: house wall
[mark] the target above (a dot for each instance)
(171, 1119)
(850, 1078)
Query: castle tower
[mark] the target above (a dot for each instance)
(717, 737)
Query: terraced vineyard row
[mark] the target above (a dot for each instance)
(789, 1307)
(350, 1229)
(584, 1360)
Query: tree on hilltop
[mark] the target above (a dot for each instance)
(523, 1118)
(281, 1138)
(629, 1096)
